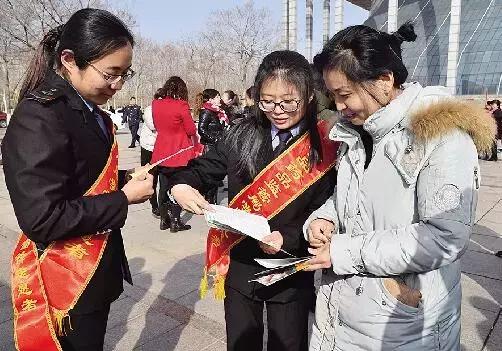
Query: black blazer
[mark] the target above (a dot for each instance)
(53, 151)
(220, 161)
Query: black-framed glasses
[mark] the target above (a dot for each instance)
(114, 78)
(285, 105)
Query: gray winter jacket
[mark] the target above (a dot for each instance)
(407, 216)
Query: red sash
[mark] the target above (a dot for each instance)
(45, 289)
(276, 186)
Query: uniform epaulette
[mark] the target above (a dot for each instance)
(45, 96)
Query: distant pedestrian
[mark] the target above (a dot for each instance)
(249, 97)
(497, 115)
(133, 116)
(231, 105)
(147, 139)
(212, 123)
(176, 133)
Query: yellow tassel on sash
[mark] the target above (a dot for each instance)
(59, 325)
(219, 287)
(203, 285)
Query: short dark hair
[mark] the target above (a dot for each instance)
(90, 33)
(363, 53)
(132, 97)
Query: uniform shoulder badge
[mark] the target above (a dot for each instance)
(45, 96)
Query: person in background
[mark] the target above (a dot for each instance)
(147, 139)
(176, 138)
(497, 114)
(61, 170)
(493, 107)
(249, 98)
(133, 116)
(212, 123)
(231, 105)
(111, 109)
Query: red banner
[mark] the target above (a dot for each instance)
(45, 289)
(275, 187)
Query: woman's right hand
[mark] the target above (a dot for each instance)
(190, 199)
(319, 232)
(139, 189)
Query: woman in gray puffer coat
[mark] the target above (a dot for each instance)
(391, 236)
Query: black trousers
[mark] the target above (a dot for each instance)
(287, 323)
(211, 194)
(134, 133)
(164, 174)
(494, 156)
(87, 333)
(146, 157)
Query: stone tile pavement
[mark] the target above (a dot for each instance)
(162, 311)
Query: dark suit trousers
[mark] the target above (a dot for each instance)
(88, 332)
(287, 323)
(134, 132)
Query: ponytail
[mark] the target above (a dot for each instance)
(43, 60)
(89, 33)
(199, 101)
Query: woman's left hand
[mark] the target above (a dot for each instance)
(272, 243)
(322, 258)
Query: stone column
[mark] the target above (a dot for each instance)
(285, 25)
(453, 46)
(338, 15)
(325, 22)
(309, 12)
(292, 25)
(392, 16)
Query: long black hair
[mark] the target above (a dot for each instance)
(364, 54)
(249, 135)
(89, 33)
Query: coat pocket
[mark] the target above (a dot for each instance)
(392, 303)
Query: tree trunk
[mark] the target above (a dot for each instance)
(6, 88)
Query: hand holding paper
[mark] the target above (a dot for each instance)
(322, 258)
(272, 243)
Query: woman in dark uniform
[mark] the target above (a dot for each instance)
(255, 147)
(59, 147)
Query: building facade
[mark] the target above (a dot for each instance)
(474, 40)
(459, 42)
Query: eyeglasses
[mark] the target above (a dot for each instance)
(114, 78)
(285, 105)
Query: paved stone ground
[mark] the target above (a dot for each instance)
(162, 311)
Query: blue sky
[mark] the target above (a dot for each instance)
(172, 20)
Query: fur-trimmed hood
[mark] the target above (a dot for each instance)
(441, 117)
